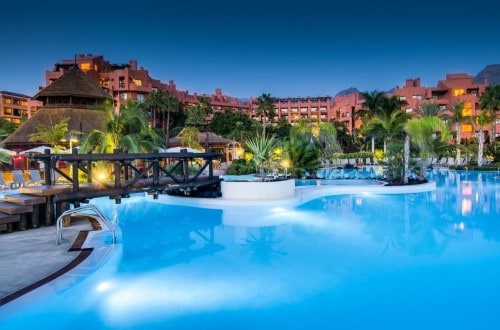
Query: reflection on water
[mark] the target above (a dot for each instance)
(422, 223)
(364, 261)
(168, 236)
(263, 246)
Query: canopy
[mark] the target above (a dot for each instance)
(178, 149)
(37, 150)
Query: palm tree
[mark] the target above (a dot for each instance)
(457, 118)
(51, 134)
(373, 103)
(129, 131)
(154, 103)
(429, 109)
(190, 137)
(265, 110)
(490, 101)
(422, 132)
(482, 120)
(386, 125)
(169, 104)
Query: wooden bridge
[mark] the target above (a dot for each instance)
(116, 175)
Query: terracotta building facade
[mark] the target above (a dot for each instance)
(129, 82)
(17, 108)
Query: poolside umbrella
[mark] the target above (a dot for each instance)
(37, 150)
(178, 149)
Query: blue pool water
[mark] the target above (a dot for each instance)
(363, 261)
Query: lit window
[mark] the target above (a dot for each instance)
(7, 101)
(459, 91)
(467, 110)
(7, 111)
(137, 82)
(85, 66)
(466, 128)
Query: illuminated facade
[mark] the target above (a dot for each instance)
(16, 108)
(130, 82)
(457, 87)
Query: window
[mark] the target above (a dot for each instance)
(137, 82)
(467, 110)
(416, 97)
(7, 111)
(17, 112)
(7, 101)
(123, 96)
(85, 66)
(459, 91)
(402, 98)
(140, 97)
(121, 82)
(409, 110)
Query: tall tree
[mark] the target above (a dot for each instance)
(422, 132)
(265, 110)
(457, 118)
(490, 101)
(154, 102)
(485, 118)
(169, 104)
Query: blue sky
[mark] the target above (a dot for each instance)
(286, 48)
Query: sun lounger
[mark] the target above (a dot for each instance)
(35, 178)
(18, 179)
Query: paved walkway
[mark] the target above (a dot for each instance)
(29, 256)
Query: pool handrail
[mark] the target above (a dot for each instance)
(88, 207)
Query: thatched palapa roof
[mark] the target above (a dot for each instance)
(73, 96)
(213, 140)
(73, 82)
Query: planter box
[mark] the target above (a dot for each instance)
(257, 190)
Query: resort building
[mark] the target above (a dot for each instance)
(17, 108)
(456, 88)
(129, 82)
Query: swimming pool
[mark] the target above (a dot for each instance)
(361, 261)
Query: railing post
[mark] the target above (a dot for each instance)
(74, 168)
(47, 167)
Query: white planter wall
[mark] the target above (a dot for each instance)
(257, 190)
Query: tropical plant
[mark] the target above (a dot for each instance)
(482, 120)
(6, 128)
(429, 109)
(169, 105)
(154, 102)
(490, 101)
(386, 126)
(261, 147)
(422, 132)
(190, 137)
(196, 114)
(129, 131)
(265, 110)
(231, 124)
(457, 118)
(304, 155)
(51, 134)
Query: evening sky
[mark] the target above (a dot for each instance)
(286, 48)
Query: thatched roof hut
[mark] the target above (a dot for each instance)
(214, 141)
(74, 96)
